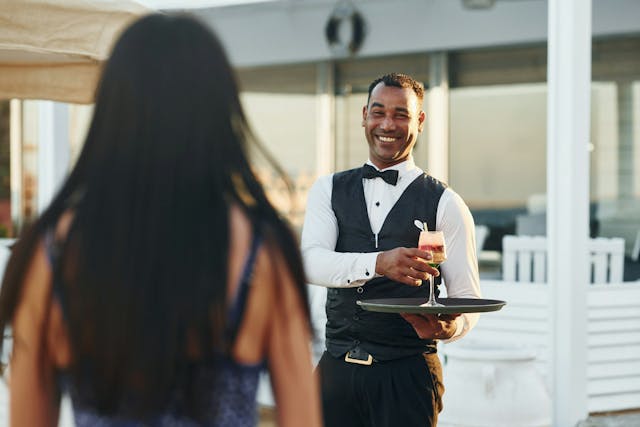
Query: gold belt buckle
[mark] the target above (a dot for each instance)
(369, 360)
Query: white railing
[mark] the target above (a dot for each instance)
(524, 259)
(613, 341)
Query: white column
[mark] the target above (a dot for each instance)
(568, 110)
(15, 153)
(635, 133)
(325, 123)
(438, 117)
(53, 149)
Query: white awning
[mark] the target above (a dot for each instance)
(53, 49)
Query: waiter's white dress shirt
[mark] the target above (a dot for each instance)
(324, 266)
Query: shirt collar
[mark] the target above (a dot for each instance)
(403, 167)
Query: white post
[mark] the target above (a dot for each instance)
(325, 125)
(53, 149)
(15, 153)
(438, 117)
(568, 110)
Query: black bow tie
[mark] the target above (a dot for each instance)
(389, 176)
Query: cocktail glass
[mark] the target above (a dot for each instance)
(433, 242)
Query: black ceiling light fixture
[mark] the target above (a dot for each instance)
(345, 29)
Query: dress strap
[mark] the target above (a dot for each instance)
(53, 249)
(239, 303)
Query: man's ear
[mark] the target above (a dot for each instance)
(364, 115)
(421, 118)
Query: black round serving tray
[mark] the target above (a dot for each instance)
(415, 305)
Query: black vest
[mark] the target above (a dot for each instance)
(386, 336)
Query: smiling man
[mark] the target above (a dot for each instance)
(359, 240)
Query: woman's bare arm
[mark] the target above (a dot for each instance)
(294, 384)
(34, 398)
(274, 326)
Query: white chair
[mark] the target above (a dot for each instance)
(635, 252)
(626, 228)
(482, 232)
(531, 224)
(524, 259)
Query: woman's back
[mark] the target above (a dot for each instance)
(226, 386)
(225, 389)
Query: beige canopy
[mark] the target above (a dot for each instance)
(54, 49)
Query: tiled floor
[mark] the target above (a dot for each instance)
(619, 419)
(268, 416)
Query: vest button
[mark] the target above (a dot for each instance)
(356, 317)
(360, 289)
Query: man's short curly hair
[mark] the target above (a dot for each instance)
(399, 80)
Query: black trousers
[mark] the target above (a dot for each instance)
(404, 392)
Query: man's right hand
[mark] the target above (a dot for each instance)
(405, 265)
(432, 326)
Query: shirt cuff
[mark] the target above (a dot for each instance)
(363, 271)
(462, 327)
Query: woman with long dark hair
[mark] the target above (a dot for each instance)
(160, 280)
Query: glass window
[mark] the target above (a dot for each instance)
(487, 125)
(498, 109)
(282, 108)
(615, 133)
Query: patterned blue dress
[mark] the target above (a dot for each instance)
(228, 396)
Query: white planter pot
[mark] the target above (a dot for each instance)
(493, 386)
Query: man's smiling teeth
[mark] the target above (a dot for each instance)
(386, 139)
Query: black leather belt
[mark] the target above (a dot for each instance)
(359, 356)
